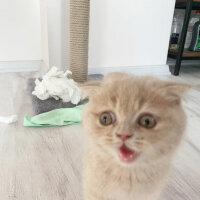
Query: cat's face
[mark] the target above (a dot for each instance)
(134, 119)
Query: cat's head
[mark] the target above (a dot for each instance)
(134, 119)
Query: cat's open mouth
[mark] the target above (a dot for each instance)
(126, 154)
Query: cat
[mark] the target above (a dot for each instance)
(133, 126)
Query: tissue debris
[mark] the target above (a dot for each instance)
(56, 84)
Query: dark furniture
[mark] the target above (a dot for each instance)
(180, 54)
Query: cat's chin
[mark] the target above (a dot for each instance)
(126, 154)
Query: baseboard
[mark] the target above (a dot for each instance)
(20, 66)
(35, 65)
(157, 70)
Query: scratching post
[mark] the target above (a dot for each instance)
(79, 28)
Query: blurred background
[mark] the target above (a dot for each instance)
(122, 34)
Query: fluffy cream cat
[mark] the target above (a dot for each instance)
(133, 126)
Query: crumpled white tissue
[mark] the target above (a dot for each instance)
(9, 119)
(56, 84)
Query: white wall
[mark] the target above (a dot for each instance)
(58, 32)
(20, 30)
(129, 32)
(122, 33)
(44, 33)
(54, 32)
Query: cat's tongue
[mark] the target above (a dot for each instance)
(126, 155)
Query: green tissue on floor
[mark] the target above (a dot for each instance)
(58, 117)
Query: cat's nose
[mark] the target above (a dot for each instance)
(124, 136)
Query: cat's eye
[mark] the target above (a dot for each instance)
(147, 121)
(107, 118)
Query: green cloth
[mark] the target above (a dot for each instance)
(58, 117)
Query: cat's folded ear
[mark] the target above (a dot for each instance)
(174, 91)
(88, 89)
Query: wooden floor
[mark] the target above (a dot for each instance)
(45, 163)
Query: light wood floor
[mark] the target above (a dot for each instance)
(45, 163)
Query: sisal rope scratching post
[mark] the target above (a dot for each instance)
(79, 28)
